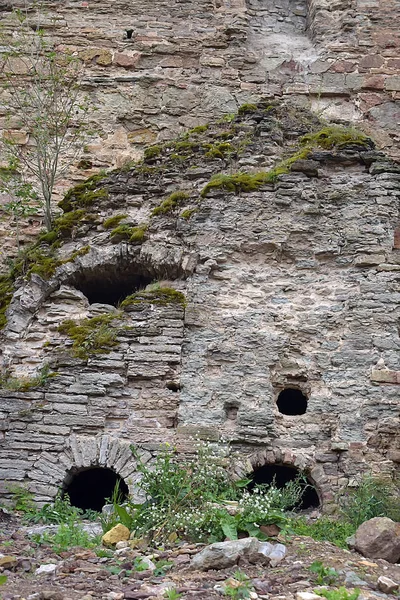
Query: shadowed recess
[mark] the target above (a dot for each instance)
(110, 285)
(282, 474)
(91, 488)
(292, 402)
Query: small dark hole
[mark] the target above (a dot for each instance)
(91, 488)
(282, 474)
(292, 402)
(129, 33)
(173, 386)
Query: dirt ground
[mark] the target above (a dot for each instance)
(80, 574)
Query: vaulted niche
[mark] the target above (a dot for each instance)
(282, 474)
(292, 401)
(91, 488)
(110, 284)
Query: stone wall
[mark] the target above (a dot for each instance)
(292, 285)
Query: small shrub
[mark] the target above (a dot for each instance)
(3, 579)
(172, 594)
(68, 535)
(373, 497)
(6, 294)
(58, 512)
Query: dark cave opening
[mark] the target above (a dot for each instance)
(292, 401)
(110, 285)
(91, 488)
(282, 474)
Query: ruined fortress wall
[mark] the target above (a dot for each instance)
(292, 286)
(297, 286)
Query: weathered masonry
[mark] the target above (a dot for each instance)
(282, 334)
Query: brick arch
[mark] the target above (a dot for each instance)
(287, 458)
(51, 470)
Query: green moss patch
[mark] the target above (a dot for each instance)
(134, 235)
(152, 152)
(170, 203)
(335, 136)
(84, 194)
(199, 129)
(186, 214)
(160, 296)
(247, 108)
(113, 221)
(95, 335)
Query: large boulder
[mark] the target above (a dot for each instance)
(226, 554)
(379, 538)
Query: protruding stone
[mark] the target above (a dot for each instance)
(119, 533)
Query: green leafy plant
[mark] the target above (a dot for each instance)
(172, 594)
(21, 498)
(373, 497)
(238, 587)
(324, 575)
(68, 535)
(339, 594)
(186, 499)
(3, 579)
(162, 566)
(60, 511)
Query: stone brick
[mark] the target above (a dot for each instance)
(392, 83)
(372, 61)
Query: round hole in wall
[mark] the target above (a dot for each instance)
(292, 401)
(281, 475)
(91, 488)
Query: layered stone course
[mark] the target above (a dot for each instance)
(293, 285)
(153, 69)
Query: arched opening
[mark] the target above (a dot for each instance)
(110, 284)
(91, 488)
(282, 474)
(292, 401)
